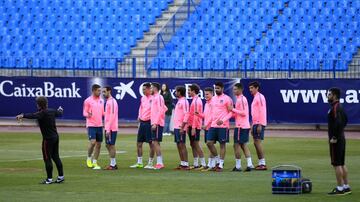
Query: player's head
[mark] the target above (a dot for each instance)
(42, 102)
(238, 89)
(254, 87)
(146, 88)
(209, 92)
(193, 90)
(333, 94)
(155, 87)
(219, 88)
(106, 92)
(180, 91)
(164, 88)
(96, 90)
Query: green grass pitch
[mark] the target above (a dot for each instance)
(21, 169)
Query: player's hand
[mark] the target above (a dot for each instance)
(153, 127)
(219, 122)
(60, 109)
(107, 134)
(193, 131)
(203, 127)
(182, 131)
(89, 115)
(333, 140)
(258, 129)
(230, 107)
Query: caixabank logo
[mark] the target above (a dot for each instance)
(10, 89)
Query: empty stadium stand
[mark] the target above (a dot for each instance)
(81, 34)
(266, 35)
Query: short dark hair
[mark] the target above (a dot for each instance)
(335, 91)
(254, 84)
(147, 85)
(108, 88)
(220, 84)
(209, 89)
(181, 90)
(239, 86)
(195, 87)
(95, 87)
(156, 85)
(42, 102)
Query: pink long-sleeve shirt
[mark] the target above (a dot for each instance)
(206, 115)
(111, 115)
(241, 112)
(181, 114)
(196, 106)
(219, 110)
(94, 105)
(258, 109)
(158, 109)
(145, 108)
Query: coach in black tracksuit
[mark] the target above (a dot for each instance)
(337, 121)
(50, 144)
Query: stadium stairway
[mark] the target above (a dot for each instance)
(138, 52)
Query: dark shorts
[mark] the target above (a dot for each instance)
(241, 135)
(179, 137)
(144, 132)
(157, 134)
(337, 153)
(195, 137)
(257, 136)
(218, 134)
(95, 133)
(112, 139)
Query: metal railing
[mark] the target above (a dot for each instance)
(182, 67)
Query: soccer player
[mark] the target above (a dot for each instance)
(181, 116)
(157, 119)
(93, 111)
(144, 131)
(50, 143)
(259, 121)
(219, 130)
(337, 120)
(206, 115)
(242, 128)
(195, 124)
(111, 126)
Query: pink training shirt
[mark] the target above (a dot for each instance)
(196, 106)
(158, 109)
(94, 105)
(145, 108)
(219, 110)
(258, 109)
(181, 114)
(111, 115)
(241, 112)
(206, 115)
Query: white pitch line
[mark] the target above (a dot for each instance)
(71, 156)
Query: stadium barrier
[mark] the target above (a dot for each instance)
(288, 100)
(185, 67)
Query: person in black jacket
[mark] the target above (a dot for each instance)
(337, 120)
(165, 92)
(50, 144)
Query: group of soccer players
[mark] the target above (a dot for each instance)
(190, 119)
(96, 110)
